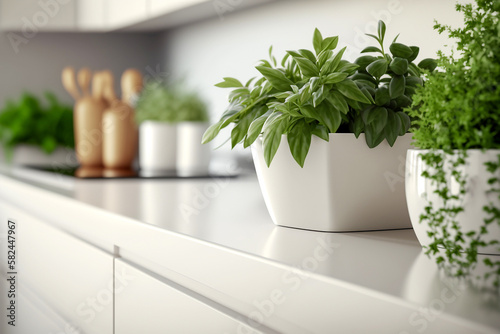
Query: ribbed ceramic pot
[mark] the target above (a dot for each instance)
(420, 191)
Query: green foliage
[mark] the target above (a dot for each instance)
(459, 106)
(317, 93)
(29, 122)
(169, 104)
(390, 80)
(457, 109)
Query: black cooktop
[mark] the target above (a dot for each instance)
(103, 173)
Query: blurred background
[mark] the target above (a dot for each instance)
(200, 41)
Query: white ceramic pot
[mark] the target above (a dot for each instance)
(193, 158)
(420, 190)
(157, 146)
(344, 185)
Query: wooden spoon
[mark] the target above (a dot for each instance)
(84, 77)
(69, 82)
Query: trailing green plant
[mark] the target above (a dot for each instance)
(391, 80)
(457, 110)
(28, 121)
(317, 93)
(171, 104)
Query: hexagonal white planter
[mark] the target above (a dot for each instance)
(419, 188)
(344, 185)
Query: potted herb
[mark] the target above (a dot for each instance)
(314, 104)
(172, 122)
(453, 180)
(32, 132)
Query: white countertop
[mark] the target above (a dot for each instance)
(231, 214)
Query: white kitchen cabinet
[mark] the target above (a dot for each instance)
(121, 13)
(72, 276)
(146, 303)
(159, 7)
(91, 15)
(32, 16)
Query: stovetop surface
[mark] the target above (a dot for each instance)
(104, 173)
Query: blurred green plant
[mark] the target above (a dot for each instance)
(171, 104)
(28, 121)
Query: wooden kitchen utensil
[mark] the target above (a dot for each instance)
(84, 77)
(131, 86)
(119, 128)
(69, 83)
(87, 119)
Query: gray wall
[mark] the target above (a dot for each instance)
(37, 65)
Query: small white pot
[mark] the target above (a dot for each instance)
(157, 146)
(420, 190)
(344, 185)
(193, 158)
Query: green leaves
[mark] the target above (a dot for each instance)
(255, 129)
(382, 96)
(316, 93)
(229, 82)
(337, 100)
(329, 43)
(381, 31)
(275, 77)
(335, 77)
(320, 45)
(299, 140)
(274, 128)
(371, 49)
(391, 79)
(29, 121)
(399, 65)
(211, 132)
(363, 62)
(307, 67)
(377, 68)
(428, 64)
(397, 86)
(393, 128)
(317, 41)
(330, 117)
(349, 89)
(400, 50)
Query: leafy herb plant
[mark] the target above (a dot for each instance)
(318, 93)
(458, 110)
(29, 122)
(391, 80)
(171, 104)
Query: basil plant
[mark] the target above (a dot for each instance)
(311, 93)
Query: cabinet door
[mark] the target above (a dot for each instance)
(90, 15)
(159, 7)
(147, 303)
(71, 276)
(31, 16)
(124, 12)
